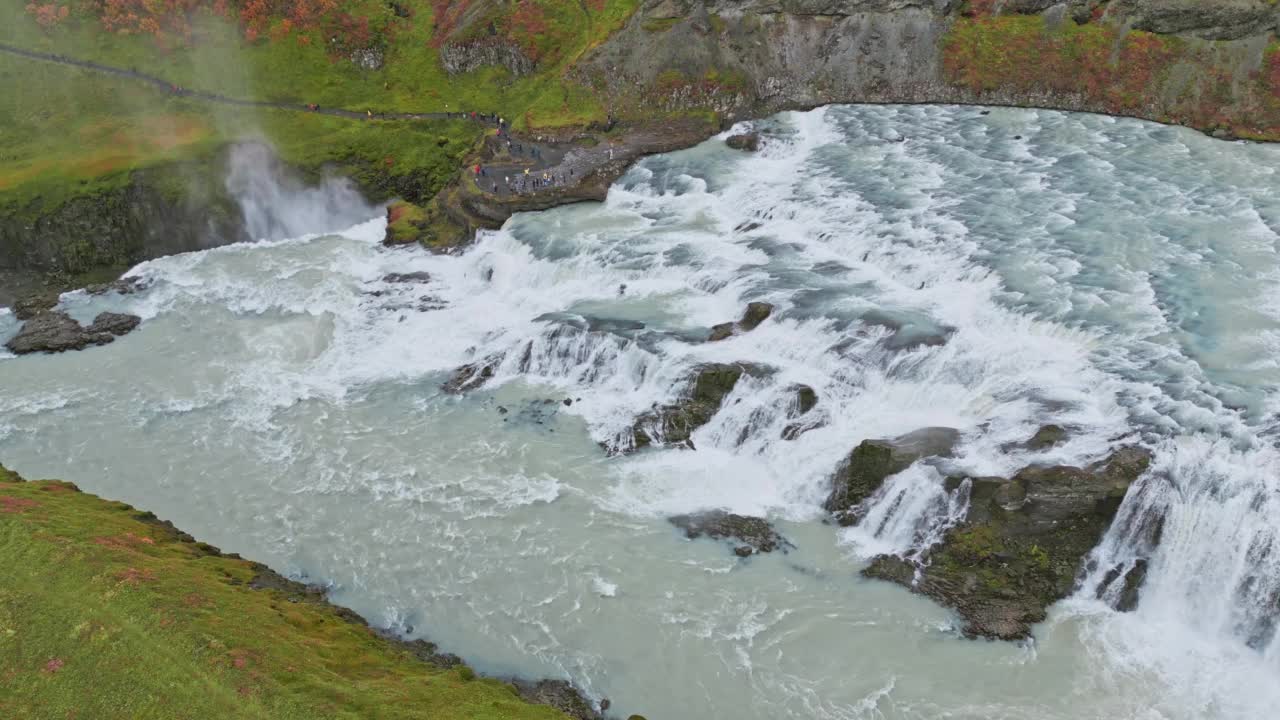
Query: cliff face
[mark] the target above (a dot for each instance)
(161, 211)
(1210, 64)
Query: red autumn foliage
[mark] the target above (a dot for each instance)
(9, 504)
(135, 576)
(445, 15)
(979, 8)
(159, 18)
(48, 15)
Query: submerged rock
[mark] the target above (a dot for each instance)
(745, 141)
(114, 323)
(1130, 588)
(1045, 438)
(756, 535)
(756, 313)
(32, 305)
(804, 400)
(53, 331)
(872, 461)
(123, 286)
(1021, 546)
(413, 277)
(471, 376)
(673, 424)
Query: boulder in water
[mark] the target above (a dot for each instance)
(872, 461)
(32, 305)
(804, 400)
(1045, 438)
(412, 277)
(1021, 545)
(749, 141)
(53, 331)
(756, 313)
(471, 376)
(1130, 588)
(673, 424)
(114, 323)
(754, 535)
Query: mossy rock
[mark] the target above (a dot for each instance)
(754, 535)
(873, 461)
(674, 424)
(1045, 438)
(1016, 554)
(756, 313)
(406, 223)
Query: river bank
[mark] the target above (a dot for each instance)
(173, 609)
(641, 77)
(842, 291)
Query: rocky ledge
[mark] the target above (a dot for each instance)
(745, 141)
(675, 423)
(756, 313)
(747, 535)
(1022, 544)
(873, 461)
(53, 331)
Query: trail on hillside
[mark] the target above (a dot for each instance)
(174, 89)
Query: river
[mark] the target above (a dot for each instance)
(990, 271)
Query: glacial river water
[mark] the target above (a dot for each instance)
(1116, 277)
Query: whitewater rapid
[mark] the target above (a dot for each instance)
(931, 266)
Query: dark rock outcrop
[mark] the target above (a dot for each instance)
(872, 461)
(1045, 438)
(1208, 19)
(1021, 546)
(122, 227)
(560, 695)
(754, 535)
(756, 313)
(32, 305)
(804, 400)
(1130, 588)
(53, 331)
(673, 424)
(471, 376)
(116, 324)
(745, 141)
(458, 58)
(413, 277)
(368, 58)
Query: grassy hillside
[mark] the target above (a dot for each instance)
(106, 613)
(71, 131)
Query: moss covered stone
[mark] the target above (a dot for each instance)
(405, 223)
(1007, 562)
(675, 423)
(872, 461)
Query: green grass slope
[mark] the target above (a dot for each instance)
(70, 131)
(106, 613)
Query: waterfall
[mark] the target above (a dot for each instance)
(277, 205)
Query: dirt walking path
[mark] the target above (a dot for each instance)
(176, 90)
